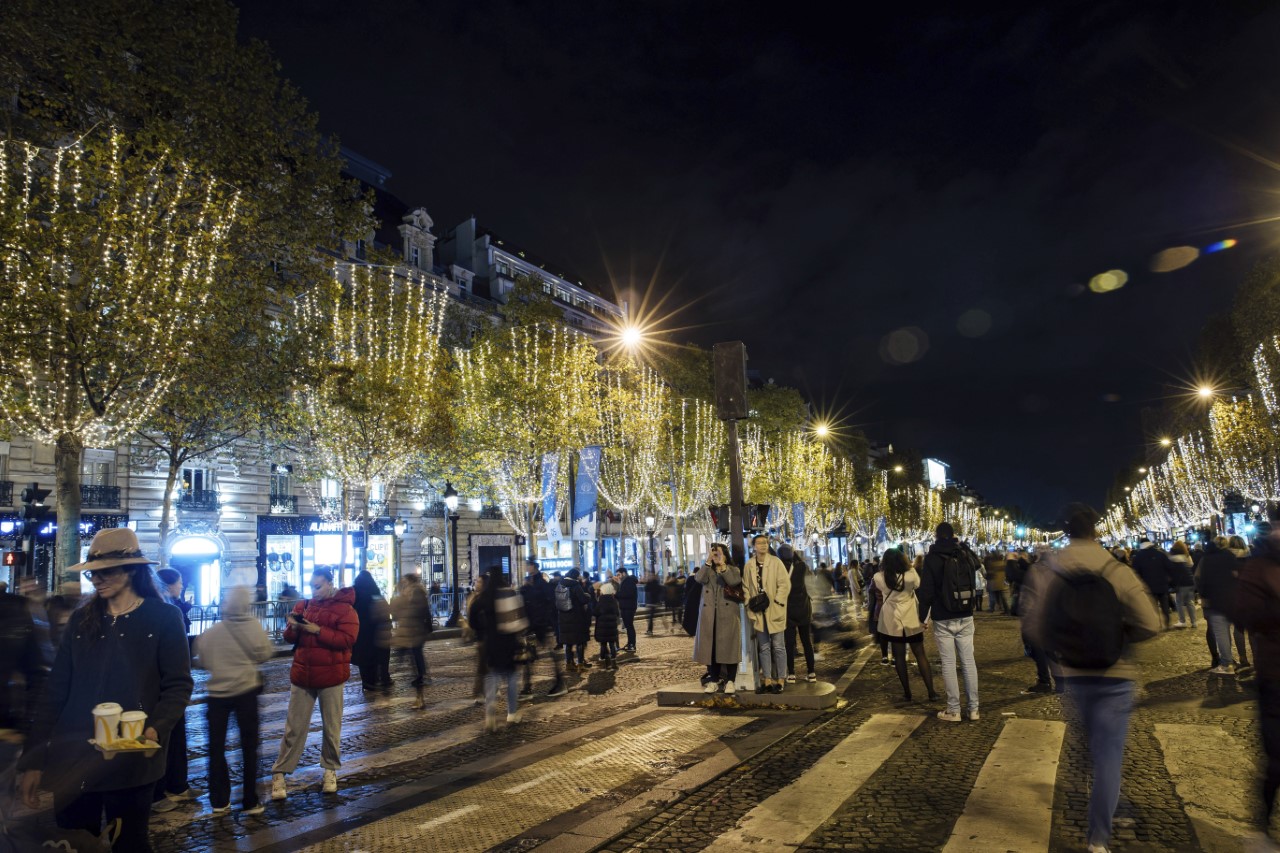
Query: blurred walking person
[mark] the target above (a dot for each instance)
(1184, 586)
(1087, 610)
(628, 598)
(411, 612)
(324, 629)
(232, 650)
(540, 607)
(799, 614)
(608, 615)
(573, 610)
(497, 617)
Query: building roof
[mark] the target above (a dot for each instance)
(541, 263)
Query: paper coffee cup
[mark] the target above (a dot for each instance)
(132, 724)
(106, 720)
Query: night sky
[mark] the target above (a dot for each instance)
(899, 211)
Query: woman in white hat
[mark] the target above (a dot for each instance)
(126, 645)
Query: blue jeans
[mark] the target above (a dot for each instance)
(1104, 705)
(1221, 636)
(491, 680)
(1187, 605)
(955, 639)
(771, 652)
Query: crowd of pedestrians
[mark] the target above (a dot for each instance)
(1082, 608)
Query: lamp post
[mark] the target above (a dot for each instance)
(649, 522)
(400, 528)
(451, 507)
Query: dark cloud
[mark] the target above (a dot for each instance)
(813, 185)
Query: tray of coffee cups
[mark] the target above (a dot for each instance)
(136, 745)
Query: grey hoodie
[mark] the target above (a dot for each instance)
(232, 649)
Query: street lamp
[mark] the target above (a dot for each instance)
(1166, 442)
(399, 528)
(650, 522)
(451, 505)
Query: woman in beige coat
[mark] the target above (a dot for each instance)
(766, 573)
(900, 617)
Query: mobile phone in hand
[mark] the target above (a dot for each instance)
(298, 617)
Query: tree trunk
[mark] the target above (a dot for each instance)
(67, 452)
(166, 511)
(346, 527)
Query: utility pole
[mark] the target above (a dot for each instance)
(730, 368)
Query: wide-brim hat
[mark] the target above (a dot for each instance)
(115, 546)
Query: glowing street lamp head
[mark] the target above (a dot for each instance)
(1205, 392)
(897, 469)
(1142, 470)
(822, 430)
(1166, 442)
(631, 337)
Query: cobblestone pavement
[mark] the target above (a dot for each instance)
(605, 769)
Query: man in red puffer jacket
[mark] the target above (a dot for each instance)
(324, 629)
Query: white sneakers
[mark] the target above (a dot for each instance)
(730, 688)
(512, 719)
(711, 687)
(974, 716)
(948, 717)
(278, 790)
(330, 784)
(1222, 670)
(1099, 848)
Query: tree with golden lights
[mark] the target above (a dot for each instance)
(691, 463)
(380, 393)
(110, 259)
(526, 391)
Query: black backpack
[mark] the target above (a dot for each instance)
(1083, 620)
(564, 598)
(958, 580)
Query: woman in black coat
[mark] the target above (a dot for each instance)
(799, 613)
(608, 615)
(372, 649)
(574, 620)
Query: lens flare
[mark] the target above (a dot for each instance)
(1174, 259)
(1108, 281)
(1219, 246)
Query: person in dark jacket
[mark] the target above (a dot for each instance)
(608, 614)
(573, 612)
(20, 654)
(628, 599)
(172, 790)
(952, 625)
(411, 611)
(324, 629)
(540, 607)
(1152, 565)
(1257, 608)
(1217, 585)
(799, 614)
(1184, 585)
(372, 650)
(126, 645)
(498, 645)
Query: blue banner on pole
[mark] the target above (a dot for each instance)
(550, 478)
(585, 513)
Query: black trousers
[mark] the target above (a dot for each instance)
(174, 780)
(806, 639)
(629, 622)
(1269, 722)
(131, 805)
(218, 711)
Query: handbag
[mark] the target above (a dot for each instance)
(528, 651)
(759, 602)
(733, 591)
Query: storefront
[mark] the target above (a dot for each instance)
(11, 532)
(291, 548)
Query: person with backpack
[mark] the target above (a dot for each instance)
(1152, 565)
(573, 612)
(608, 615)
(498, 619)
(947, 590)
(1087, 610)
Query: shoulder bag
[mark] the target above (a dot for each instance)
(759, 602)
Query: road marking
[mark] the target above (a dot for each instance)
(453, 815)
(433, 827)
(1024, 759)
(1214, 773)
(532, 783)
(591, 759)
(791, 815)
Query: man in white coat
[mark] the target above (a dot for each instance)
(765, 573)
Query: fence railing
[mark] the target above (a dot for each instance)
(101, 497)
(274, 615)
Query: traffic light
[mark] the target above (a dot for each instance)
(15, 560)
(34, 495)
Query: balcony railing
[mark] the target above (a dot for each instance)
(331, 505)
(6, 492)
(284, 504)
(377, 508)
(435, 509)
(200, 500)
(100, 497)
(491, 512)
